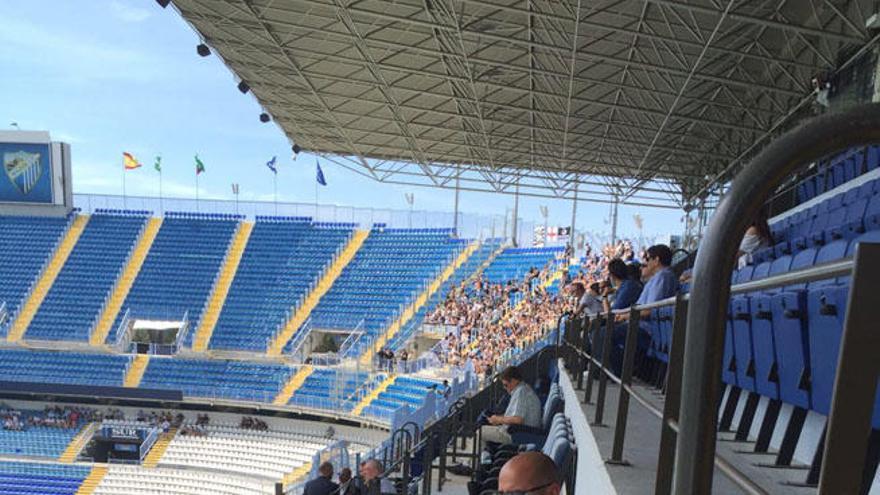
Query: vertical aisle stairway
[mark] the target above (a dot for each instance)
(221, 287)
(158, 450)
(90, 484)
(77, 443)
(136, 371)
(126, 280)
(330, 276)
(296, 381)
(413, 308)
(30, 307)
(359, 408)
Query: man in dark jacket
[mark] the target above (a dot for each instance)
(322, 485)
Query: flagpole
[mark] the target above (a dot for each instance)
(161, 206)
(197, 191)
(124, 198)
(275, 184)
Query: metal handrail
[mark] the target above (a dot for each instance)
(823, 271)
(704, 341)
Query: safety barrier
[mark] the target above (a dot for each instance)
(855, 393)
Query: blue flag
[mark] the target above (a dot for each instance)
(320, 174)
(271, 165)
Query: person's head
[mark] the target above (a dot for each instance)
(657, 257)
(371, 469)
(531, 473)
(594, 288)
(634, 271)
(510, 378)
(762, 227)
(617, 271)
(345, 475)
(326, 469)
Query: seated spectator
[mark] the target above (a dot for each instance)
(661, 284)
(531, 473)
(323, 484)
(524, 409)
(757, 236)
(626, 290)
(660, 280)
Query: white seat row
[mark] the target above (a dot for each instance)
(265, 454)
(135, 480)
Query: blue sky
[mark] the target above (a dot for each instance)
(109, 76)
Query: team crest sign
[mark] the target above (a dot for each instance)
(23, 169)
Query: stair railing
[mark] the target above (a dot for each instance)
(299, 340)
(119, 274)
(122, 336)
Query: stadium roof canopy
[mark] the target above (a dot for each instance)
(651, 101)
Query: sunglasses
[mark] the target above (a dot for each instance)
(519, 492)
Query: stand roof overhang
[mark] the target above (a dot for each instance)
(651, 102)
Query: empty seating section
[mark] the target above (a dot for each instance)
(269, 454)
(329, 388)
(783, 343)
(77, 296)
(62, 367)
(180, 269)
(283, 259)
(464, 271)
(389, 271)
(26, 243)
(838, 170)
(134, 480)
(237, 380)
(18, 478)
(514, 263)
(405, 391)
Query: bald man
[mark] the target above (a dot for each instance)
(530, 472)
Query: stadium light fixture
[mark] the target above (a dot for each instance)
(243, 87)
(296, 149)
(203, 50)
(163, 3)
(264, 117)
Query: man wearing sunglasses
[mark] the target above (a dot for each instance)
(529, 473)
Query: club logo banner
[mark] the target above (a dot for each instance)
(27, 175)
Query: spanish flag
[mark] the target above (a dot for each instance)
(129, 161)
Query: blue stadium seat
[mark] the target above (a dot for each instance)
(238, 380)
(388, 273)
(283, 260)
(63, 367)
(77, 297)
(26, 478)
(330, 388)
(179, 272)
(26, 243)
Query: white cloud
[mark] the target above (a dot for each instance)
(128, 13)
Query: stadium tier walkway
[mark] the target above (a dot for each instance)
(420, 301)
(32, 304)
(311, 301)
(221, 287)
(126, 280)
